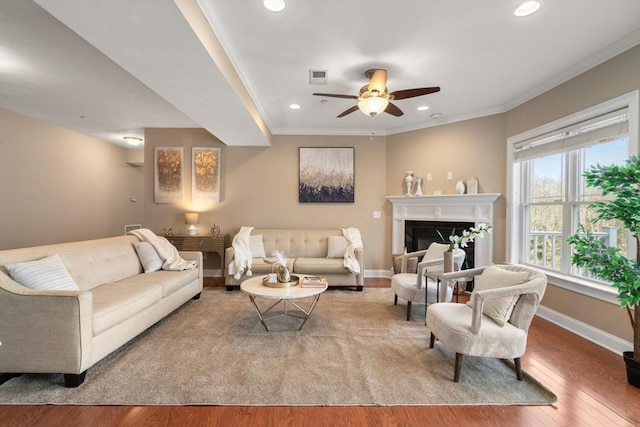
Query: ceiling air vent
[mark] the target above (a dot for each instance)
(317, 77)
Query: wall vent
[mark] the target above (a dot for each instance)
(128, 228)
(317, 77)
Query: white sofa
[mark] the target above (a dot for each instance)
(317, 252)
(68, 331)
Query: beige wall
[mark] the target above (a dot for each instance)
(613, 78)
(469, 148)
(59, 186)
(608, 80)
(260, 189)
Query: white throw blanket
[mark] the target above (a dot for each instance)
(242, 253)
(171, 259)
(355, 241)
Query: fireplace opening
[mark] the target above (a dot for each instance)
(418, 235)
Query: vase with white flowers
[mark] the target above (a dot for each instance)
(462, 241)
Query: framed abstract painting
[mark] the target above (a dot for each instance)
(326, 175)
(205, 175)
(167, 178)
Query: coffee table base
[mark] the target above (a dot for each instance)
(301, 313)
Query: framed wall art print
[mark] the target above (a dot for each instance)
(326, 175)
(167, 178)
(205, 175)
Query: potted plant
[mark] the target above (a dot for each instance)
(592, 254)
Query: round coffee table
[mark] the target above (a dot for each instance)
(255, 288)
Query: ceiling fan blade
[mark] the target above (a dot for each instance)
(412, 93)
(393, 110)
(349, 111)
(333, 95)
(378, 81)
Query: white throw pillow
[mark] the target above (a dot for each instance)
(499, 309)
(256, 246)
(48, 273)
(337, 246)
(149, 257)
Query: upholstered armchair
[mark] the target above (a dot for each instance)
(423, 285)
(495, 322)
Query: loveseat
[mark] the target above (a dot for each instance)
(68, 331)
(307, 251)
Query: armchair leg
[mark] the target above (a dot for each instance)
(518, 368)
(432, 340)
(395, 300)
(408, 310)
(456, 375)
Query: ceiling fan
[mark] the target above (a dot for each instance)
(374, 97)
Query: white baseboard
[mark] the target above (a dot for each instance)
(597, 336)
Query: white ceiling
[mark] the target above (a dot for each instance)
(116, 66)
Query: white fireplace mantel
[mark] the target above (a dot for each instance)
(476, 208)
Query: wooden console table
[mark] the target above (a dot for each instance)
(205, 244)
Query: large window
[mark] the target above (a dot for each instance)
(549, 194)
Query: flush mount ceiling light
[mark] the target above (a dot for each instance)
(133, 140)
(527, 8)
(274, 5)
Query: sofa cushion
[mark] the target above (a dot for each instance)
(116, 302)
(260, 266)
(337, 246)
(256, 246)
(319, 266)
(48, 273)
(149, 257)
(412, 264)
(296, 243)
(175, 280)
(499, 309)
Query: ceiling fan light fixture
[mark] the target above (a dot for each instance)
(527, 8)
(274, 5)
(373, 104)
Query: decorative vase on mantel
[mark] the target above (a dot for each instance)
(408, 180)
(460, 187)
(418, 186)
(472, 186)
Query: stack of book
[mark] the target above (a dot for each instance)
(313, 282)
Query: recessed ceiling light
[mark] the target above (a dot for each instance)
(436, 115)
(526, 8)
(294, 106)
(274, 5)
(423, 108)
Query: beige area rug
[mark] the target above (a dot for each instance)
(356, 349)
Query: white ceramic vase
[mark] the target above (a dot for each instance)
(408, 180)
(460, 187)
(418, 191)
(472, 186)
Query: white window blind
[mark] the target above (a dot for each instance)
(597, 130)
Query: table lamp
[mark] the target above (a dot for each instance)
(191, 218)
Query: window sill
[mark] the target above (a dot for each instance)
(581, 286)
